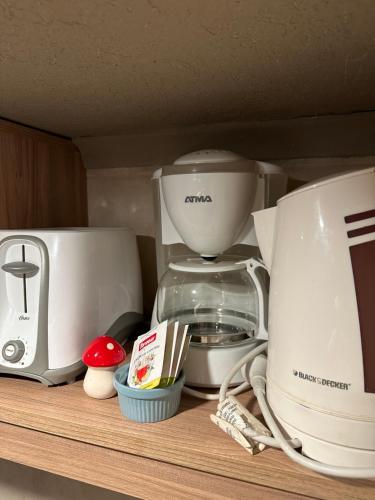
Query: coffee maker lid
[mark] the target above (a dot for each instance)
(208, 161)
(208, 156)
(198, 265)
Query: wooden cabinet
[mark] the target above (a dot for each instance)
(42, 180)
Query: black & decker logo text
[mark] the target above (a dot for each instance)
(322, 381)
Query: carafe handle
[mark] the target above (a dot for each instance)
(251, 265)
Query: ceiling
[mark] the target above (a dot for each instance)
(102, 67)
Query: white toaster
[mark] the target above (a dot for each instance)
(60, 288)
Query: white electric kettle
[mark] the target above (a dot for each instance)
(319, 247)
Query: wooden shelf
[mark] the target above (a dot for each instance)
(62, 431)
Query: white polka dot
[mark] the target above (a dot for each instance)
(110, 346)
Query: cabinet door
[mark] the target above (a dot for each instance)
(42, 180)
(16, 180)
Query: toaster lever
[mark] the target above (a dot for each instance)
(20, 269)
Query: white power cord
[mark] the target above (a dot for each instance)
(244, 360)
(268, 441)
(225, 392)
(258, 382)
(215, 396)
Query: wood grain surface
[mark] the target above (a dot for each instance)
(42, 180)
(140, 477)
(187, 440)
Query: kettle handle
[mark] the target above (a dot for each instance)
(251, 265)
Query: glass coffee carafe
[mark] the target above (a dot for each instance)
(217, 300)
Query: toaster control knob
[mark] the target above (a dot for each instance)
(13, 350)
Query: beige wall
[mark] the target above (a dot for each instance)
(123, 197)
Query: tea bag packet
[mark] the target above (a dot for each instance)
(168, 354)
(184, 350)
(178, 339)
(158, 356)
(181, 349)
(146, 365)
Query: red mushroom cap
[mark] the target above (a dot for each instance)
(103, 351)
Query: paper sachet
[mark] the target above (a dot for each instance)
(146, 363)
(158, 356)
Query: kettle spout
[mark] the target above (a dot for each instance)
(264, 222)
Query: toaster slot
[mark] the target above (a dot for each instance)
(24, 270)
(21, 273)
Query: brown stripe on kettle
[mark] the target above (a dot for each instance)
(360, 216)
(361, 230)
(363, 265)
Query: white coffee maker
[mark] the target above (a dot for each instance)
(203, 204)
(204, 229)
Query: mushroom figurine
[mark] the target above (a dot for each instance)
(102, 356)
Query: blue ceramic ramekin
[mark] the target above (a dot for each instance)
(147, 405)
